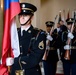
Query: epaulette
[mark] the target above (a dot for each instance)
(41, 31)
(36, 28)
(37, 31)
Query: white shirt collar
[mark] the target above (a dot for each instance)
(68, 30)
(22, 28)
(58, 29)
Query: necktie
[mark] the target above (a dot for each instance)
(23, 32)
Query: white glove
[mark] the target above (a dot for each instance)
(9, 61)
(70, 35)
(49, 37)
(67, 47)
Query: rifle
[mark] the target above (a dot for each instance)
(53, 26)
(67, 53)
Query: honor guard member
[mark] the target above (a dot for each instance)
(32, 42)
(62, 26)
(50, 57)
(69, 53)
(63, 29)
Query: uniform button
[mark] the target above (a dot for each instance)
(20, 46)
(27, 54)
(21, 53)
(37, 70)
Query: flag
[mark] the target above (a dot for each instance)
(11, 9)
(59, 19)
(74, 15)
(63, 18)
(68, 14)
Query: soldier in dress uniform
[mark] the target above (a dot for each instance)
(62, 26)
(69, 53)
(63, 29)
(32, 42)
(50, 63)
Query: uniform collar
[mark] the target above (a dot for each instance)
(22, 28)
(68, 30)
(26, 29)
(58, 29)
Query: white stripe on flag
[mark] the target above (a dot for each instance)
(14, 39)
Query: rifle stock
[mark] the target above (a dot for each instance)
(45, 55)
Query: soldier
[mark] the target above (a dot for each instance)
(62, 26)
(69, 53)
(32, 42)
(63, 29)
(50, 63)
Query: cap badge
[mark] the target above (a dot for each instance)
(48, 23)
(70, 19)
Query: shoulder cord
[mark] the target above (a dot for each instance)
(31, 40)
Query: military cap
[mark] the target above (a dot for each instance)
(27, 8)
(49, 23)
(70, 21)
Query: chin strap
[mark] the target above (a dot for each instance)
(27, 20)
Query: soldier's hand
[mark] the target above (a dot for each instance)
(70, 35)
(9, 61)
(49, 37)
(66, 47)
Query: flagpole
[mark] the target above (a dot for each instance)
(64, 16)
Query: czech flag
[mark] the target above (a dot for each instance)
(10, 43)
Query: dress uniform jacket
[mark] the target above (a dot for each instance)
(54, 45)
(32, 47)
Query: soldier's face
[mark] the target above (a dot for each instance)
(48, 29)
(24, 18)
(58, 25)
(69, 26)
(61, 22)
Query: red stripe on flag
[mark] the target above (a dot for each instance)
(6, 37)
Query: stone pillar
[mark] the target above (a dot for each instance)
(1, 24)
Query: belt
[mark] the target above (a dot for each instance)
(73, 47)
(52, 48)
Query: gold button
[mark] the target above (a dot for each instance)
(20, 46)
(37, 70)
(21, 53)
